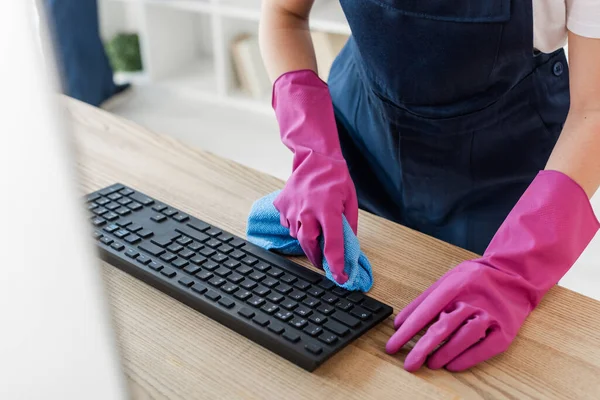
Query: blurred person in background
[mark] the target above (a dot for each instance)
(461, 120)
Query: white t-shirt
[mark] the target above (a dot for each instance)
(552, 18)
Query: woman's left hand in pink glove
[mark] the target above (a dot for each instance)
(476, 309)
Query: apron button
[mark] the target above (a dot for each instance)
(558, 68)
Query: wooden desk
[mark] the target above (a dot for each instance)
(171, 351)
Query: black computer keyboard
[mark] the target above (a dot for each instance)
(291, 310)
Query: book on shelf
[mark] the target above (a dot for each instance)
(250, 71)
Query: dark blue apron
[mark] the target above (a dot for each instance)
(445, 112)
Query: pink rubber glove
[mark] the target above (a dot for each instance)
(478, 307)
(320, 189)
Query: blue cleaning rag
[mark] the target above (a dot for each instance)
(265, 230)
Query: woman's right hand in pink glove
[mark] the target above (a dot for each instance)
(320, 189)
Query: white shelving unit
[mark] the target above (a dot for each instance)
(185, 44)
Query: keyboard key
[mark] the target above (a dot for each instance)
(287, 278)
(329, 298)
(311, 302)
(336, 328)
(175, 247)
(225, 249)
(97, 235)
(124, 201)
(248, 260)
(141, 199)
(261, 291)
(159, 207)
(181, 217)
(213, 243)
(371, 305)
(248, 284)
(124, 222)
(106, 240)
(276, 328)
(326, 309)
(219, 257)
(114, 196)
(102, 201)
(91, 206)
(198, 260)
(168, 257)
(216, 281)
(144, 259)
(260, 320)
(246, 312)
(343, 305)
(117, 246)
(283, 315)
(184, 240)
(169, 212)
(303, 311)
(168, 272)
(242, 294)
(275, 272)
(214, 232)
(191, 269)
(326, 284)
(262, 266)
(237, 254)
(229, 288)
(235, 277)
(145, 233)
(269, 308)
(315, 291)
(112, 206)
(291, 336)
(227, 303)
(244, 270)
(185, 281)
(225, 237)
(132, 239)
(132, 253)
(97, 221)
(275, 297)
(361, 313)
(298, 323)
(212, 295)
(270, 282)
(194, 246)
(100, 211)
(288, 304)
(158, 218)
(256, 301)
(317, 318)
(135, 206)
(313, 348)
(345, 319)
(231, 263)
(126, 191)
(121, 233)
(283, 288)
(151, 249)
(111, 189)
(210, 265)
(356, 297)
(199, 225)
(155, 266)
(301, 284)
(313, 330)
(198, 288)
(340, 292)
(123, 211)
(134, 228)
(327, 337)
(257, 276)
(222, 271)
(204, 275)
(93, 197)
(110, 216)
(237, 243)
(207, 252)
(297, 295)
(179, 263)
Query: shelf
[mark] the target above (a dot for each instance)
(196, 77)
